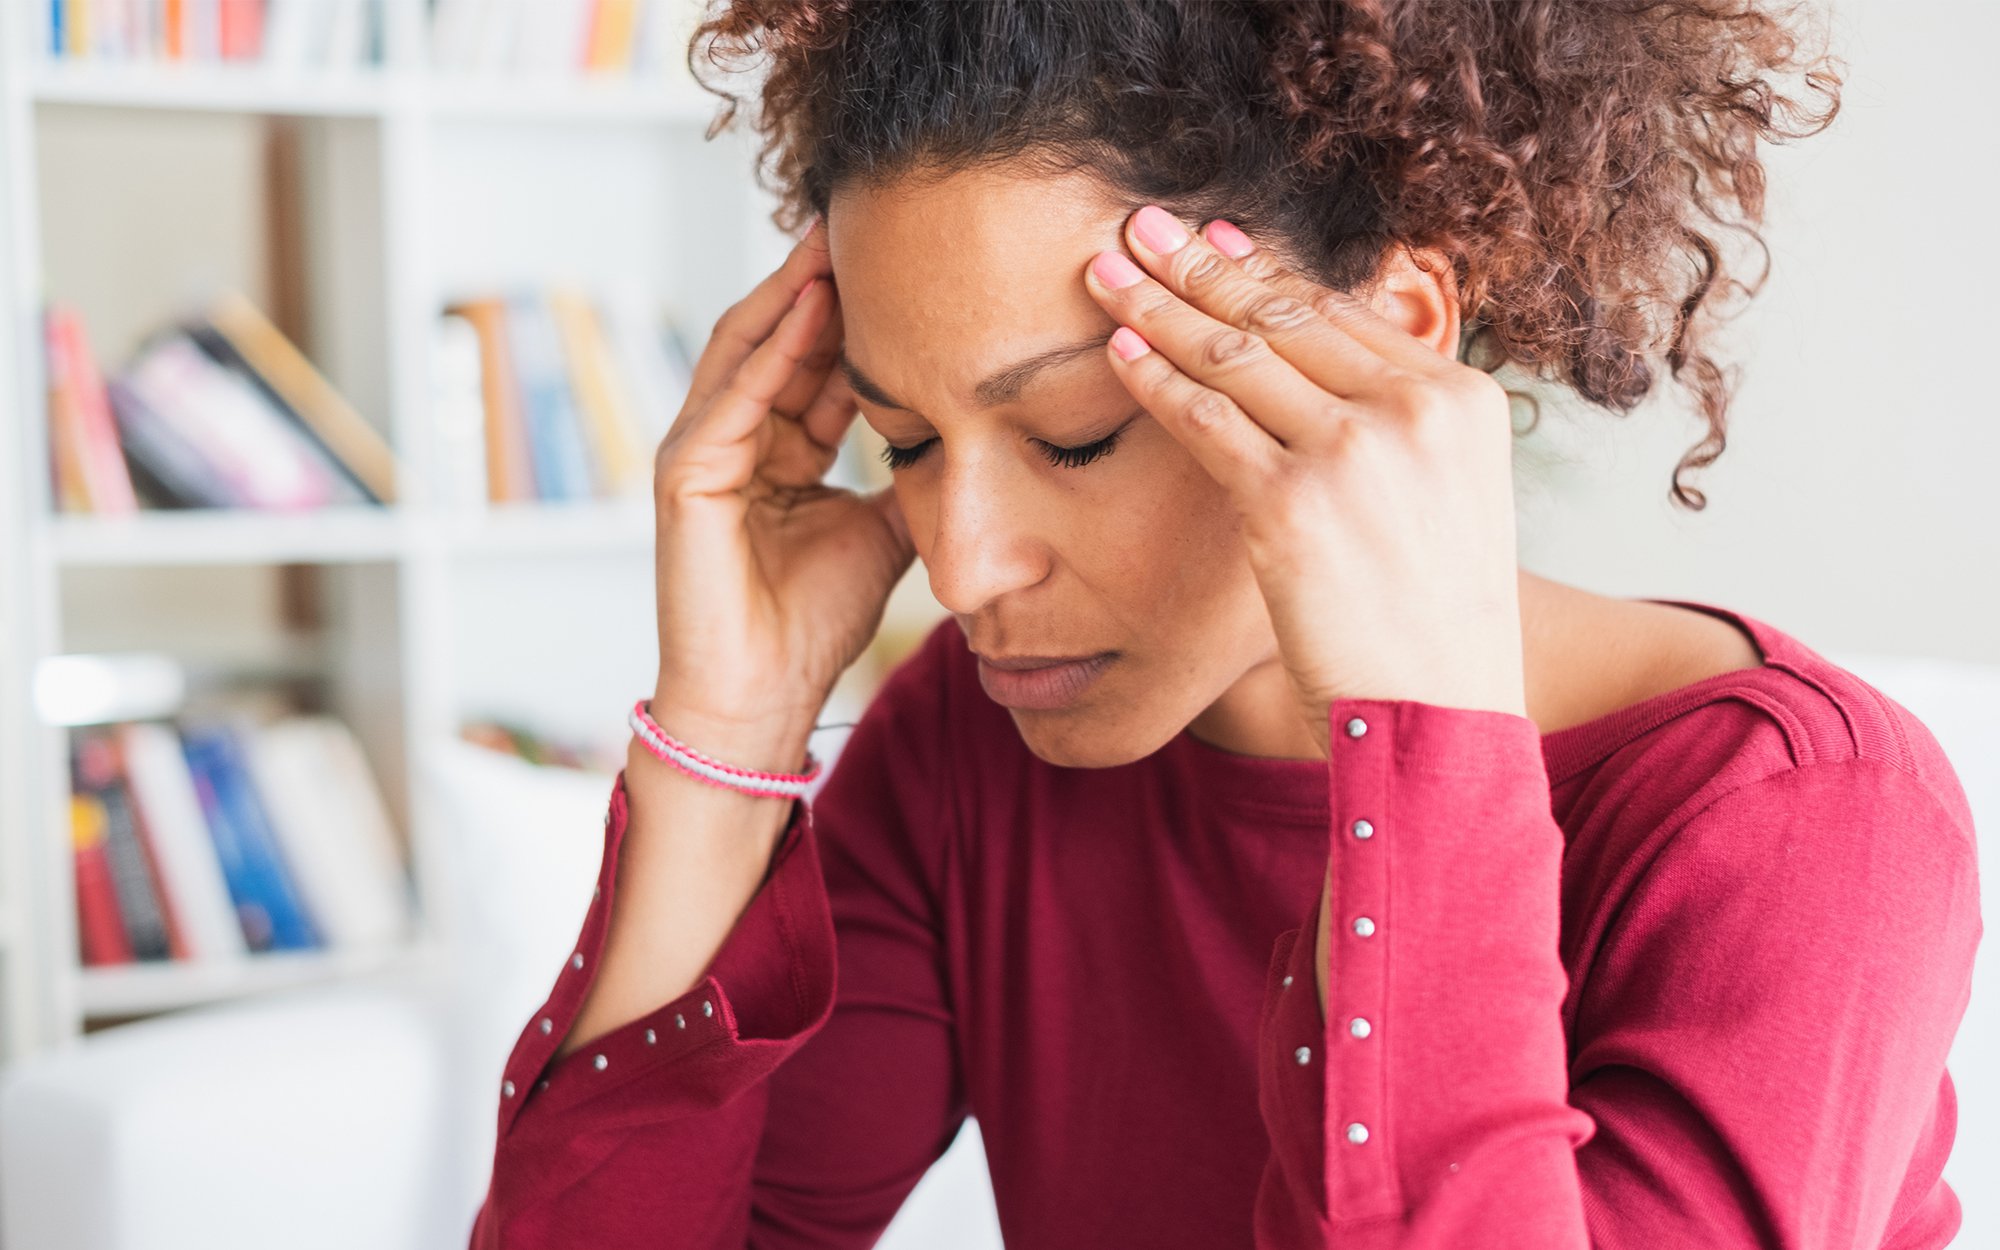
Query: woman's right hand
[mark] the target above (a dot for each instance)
(770, 583)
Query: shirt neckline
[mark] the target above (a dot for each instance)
(1288, 787)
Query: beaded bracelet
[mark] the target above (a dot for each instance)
(714, 771)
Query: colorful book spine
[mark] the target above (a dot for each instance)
(95, 772)
(101, 936)
(563, 468)
(90, 473)
(304, 395)
(266, 898)
(509, 452)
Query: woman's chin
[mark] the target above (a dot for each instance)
(1073, 738)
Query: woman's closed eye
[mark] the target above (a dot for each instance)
(1065, 457)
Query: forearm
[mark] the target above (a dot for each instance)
(693, 856)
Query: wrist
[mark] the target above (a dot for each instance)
(775, 744)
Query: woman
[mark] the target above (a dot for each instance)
(1259, 853)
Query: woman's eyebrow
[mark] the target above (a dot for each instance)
(999, 387)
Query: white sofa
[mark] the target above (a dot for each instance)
(361, 1115)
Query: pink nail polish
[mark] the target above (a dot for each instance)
(1127, 343)
(1158, 230)
(1228, 240)
(801, 296)
(1116, 270)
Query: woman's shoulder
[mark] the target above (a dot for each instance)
(1796, 730)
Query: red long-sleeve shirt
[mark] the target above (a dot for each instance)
(1681, 976)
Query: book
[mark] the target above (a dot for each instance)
(89, 466)
(330, 33)
(590, 37)
(577, 390)
(332, 825)
(601, 394)
(654, 355)
(224, 353)
(95, 772)
(100, 924)
(458, 407)
(190, 871)
(211, 412)
(167, 466)
(509, 455)
(247, 827)
(255, 454)
(298, 391)
(261, 884)
(563, 466)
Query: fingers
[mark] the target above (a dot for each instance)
(811, 378)
(751, 319)
(1235, 450)
(1212, 343)
(743, 404)
(1351, 314)
(826, 421)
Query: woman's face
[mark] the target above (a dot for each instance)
(972, 342)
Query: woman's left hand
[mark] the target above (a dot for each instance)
(1373, 474)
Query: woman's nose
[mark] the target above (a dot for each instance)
(985, 541)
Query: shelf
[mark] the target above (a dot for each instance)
(138, 989)
(553, 98)
(528, 528)
(230, 536)
(373, 93)
(212, 88)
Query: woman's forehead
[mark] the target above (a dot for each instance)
(943, 281)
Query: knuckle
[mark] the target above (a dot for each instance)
(1209, 411)
(1417, 403)
(1293, 486)
(1230, 348)
(1433, 414)
(1149, 301)
(1198, 268)
(1278, 314)
(1334, 305)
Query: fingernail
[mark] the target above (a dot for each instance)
(1228, 240)
(1115, 270)
(1127, 343)
(800, 297)
(1158, 230)
(812, 226)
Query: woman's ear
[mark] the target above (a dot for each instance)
(1417, 290)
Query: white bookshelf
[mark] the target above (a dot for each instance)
(417, 187)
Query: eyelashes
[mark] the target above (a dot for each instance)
(1063, 457)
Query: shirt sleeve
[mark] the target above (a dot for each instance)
(750, 1111)
(1758, 1055)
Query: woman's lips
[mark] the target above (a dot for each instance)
(1041, 689)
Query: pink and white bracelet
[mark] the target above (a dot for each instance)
(714, 771)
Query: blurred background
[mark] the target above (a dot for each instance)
(338, 338)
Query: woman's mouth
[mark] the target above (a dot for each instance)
(1048, 684)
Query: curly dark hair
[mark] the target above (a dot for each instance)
(1577, 160)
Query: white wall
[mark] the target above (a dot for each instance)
(1855, 505)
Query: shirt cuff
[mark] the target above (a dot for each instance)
(768, 989)
(1443, 1030)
